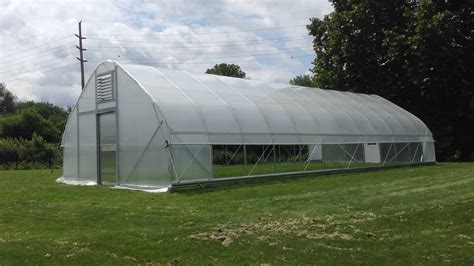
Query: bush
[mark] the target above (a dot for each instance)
(28, 154)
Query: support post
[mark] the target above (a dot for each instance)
(274, 159)
(245, 159)
(225, 152)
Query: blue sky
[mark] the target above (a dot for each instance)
(267, 39)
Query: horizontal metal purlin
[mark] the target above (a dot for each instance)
(175, 132)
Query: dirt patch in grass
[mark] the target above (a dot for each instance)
(268, 230)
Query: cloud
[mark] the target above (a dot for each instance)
(189, 35)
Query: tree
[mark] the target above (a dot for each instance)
(417, 54)
(7, 100)
(53, 113)
(302, 80)
(24, 119)
(229, 70)
(25, 124)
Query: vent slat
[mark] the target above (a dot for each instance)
(104, 88)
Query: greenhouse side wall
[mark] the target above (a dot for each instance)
(194, 163)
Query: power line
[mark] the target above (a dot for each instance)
(31, 70)
(29, 65)
(215, 62)
(136, 41)
(179, 53)
(203, 33)
(29, 73)
(62, 38)
(56, 48)
(41, 52)
(60, 53)
(187, 47)
(155, 64)
(194, 58)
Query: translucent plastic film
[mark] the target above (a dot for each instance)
(87, 147)
(210, 109)
(143, 156)
(191, 162)
(70, 148)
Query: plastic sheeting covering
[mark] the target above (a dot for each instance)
(191, 162)
(87, 147)
(70, 147)
(143, 157)
(210, 109)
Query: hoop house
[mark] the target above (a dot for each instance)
(146, 127)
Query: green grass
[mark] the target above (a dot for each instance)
(270, 168)
(418, 215)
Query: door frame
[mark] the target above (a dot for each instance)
(99, 150)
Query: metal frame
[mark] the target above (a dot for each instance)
(117, 126)
(107, 110)
(298, 153)
(97, 140)
(99, 151)
(188, 164)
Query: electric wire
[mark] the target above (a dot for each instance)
(41, 52)
(194, 58)
(188, 47)
(202, 33)
(246, 41)
(32, 70)
(217, 62)
(46, 71)
(19, 52)
(179, 53)
(58, 54)
(63, 50)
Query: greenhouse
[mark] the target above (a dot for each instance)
(144, 127)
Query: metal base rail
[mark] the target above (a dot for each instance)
(228, 181)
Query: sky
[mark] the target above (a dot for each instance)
(268, 39)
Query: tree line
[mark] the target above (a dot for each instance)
(417, 54)
(30, 132)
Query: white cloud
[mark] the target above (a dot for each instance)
(181, 39)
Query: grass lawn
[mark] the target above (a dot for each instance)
(419, 215)
(270, 168)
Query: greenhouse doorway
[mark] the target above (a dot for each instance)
(107, 153)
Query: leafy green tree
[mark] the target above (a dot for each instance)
(417, 54)
(229, 70)
(25, 124)
(53, 113)
(23, 119)
(303, 80)
(7, 100)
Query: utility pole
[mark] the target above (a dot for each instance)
(81, 55)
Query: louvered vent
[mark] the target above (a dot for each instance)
(104, 88)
